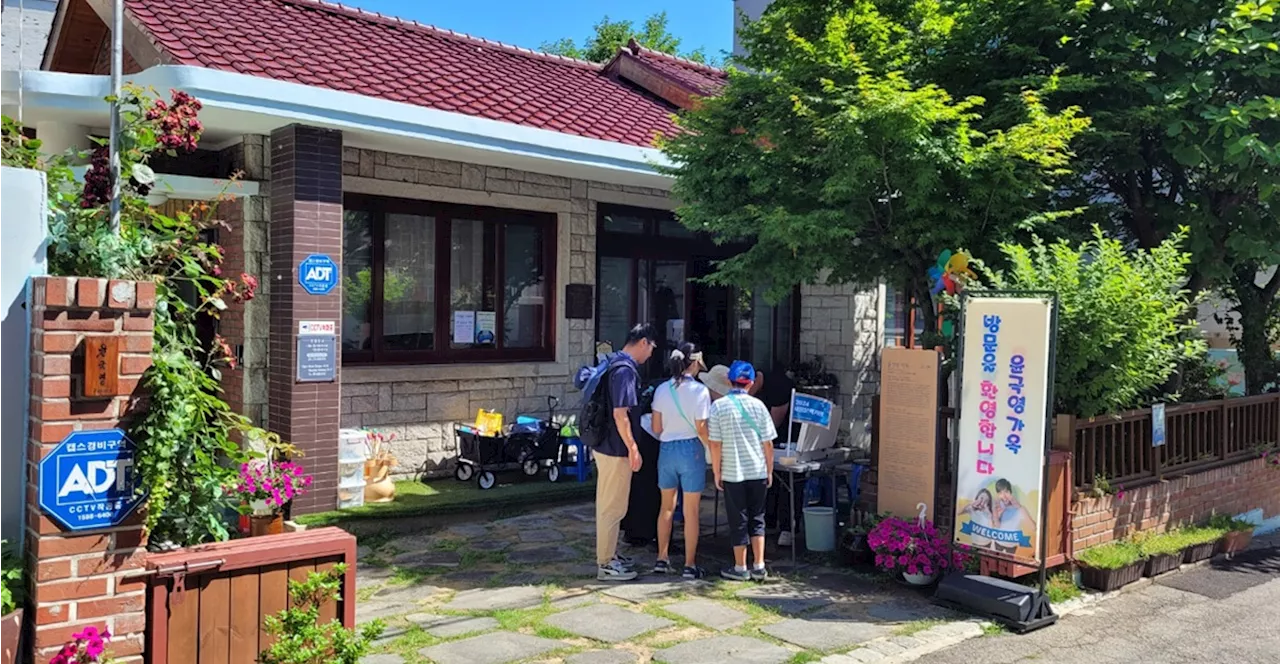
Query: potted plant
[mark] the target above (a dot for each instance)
(813, 378)
(1202, 542)
(857, 551)
(1162, 551)
(378, 487)
(267, 486)
(1110, 566)
(11, 587)
(297, 635)
(913, 549)
(88, 646)
(1238, 533)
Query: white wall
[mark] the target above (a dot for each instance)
(23, 216)
(30, 20)
(752, 9)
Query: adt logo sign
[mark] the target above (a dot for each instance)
(318, 274)
(89, 480)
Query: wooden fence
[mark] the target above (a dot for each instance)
(1198, 436)
(206, 604)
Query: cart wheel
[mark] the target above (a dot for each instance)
(463, 472)
(553, 472)
(530, 467)
(486, 480)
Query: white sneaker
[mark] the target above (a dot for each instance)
(784, 538)
(615, 571)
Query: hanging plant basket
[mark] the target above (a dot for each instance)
(1111, 579)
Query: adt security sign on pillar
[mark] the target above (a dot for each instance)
(89, 480)
(318, 274)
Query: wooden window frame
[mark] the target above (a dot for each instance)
(497, 220)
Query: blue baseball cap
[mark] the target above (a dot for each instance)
(741, 372)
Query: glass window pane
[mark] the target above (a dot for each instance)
(615, 300)
(523, 292)
(408, 288)
(673, 228)
(357, 280)
(472, 262)
(618, 223)
(668, 300)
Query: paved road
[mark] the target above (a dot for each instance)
(1227, 612)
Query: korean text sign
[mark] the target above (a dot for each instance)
(1003, 402)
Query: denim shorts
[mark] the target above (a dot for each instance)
(682, 464)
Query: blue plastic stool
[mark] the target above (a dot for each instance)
(582, 467)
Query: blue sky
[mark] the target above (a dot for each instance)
(529, 23)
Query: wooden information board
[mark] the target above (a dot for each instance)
(908, 433)
(101, 366)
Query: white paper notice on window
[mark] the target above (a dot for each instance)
(486, 321)
(464, 327)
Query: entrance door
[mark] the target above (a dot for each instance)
(649, 270)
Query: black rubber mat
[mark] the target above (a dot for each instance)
(1223, 578)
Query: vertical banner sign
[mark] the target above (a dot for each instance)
(1157, 425)
(908, 432)
(1004, 388)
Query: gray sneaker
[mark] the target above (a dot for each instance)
(735, 575)
(615, 571)
(759, 574)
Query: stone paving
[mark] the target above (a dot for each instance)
(523, 589)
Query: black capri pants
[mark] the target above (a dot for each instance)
(745, 502)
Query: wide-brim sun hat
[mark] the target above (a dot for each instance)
(717, 379)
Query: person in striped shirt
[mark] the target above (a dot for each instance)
(741, 436)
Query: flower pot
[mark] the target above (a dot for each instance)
(260, 508)
(1236, 541)
(271, 524)
(856, 551)
(1197, 552)
(1111, 579)
(10, 635)
(1163, 562)
(918, 579)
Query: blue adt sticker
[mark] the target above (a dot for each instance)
(318, 274)
(809, 409)
(89, 480)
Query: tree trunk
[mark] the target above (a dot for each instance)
(1255, 305)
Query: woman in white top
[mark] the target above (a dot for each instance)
(681, 407)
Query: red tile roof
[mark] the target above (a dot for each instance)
(703, 79)
(343, 48)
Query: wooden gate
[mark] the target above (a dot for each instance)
(206, 604)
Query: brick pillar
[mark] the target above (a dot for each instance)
(306, 218)
(80, 578)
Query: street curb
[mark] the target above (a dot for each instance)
(898, 649)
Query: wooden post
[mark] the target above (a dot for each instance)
(1064, 432)
(1224, 430)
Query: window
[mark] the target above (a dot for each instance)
(897, 311)
(430, 282)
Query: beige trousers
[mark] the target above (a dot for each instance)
(613, 490)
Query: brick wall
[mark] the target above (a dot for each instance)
(1232, 489)
(421, 404)
(840, 323)
(81, 578)
(306, 218)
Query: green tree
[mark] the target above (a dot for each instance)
(1186, 127)
(610, 36)
(828, 158)
(1122, 317)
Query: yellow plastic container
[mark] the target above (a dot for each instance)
(489, 422)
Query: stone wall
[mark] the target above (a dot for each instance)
(841, 324)
(421, 404)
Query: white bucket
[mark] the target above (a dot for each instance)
(820, 528)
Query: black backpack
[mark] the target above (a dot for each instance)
(595, 417)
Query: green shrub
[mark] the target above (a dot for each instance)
(1161, 544)
(1062, 587)
(300, 639)
(11, 584)
(1111, 556)
(1123, 319)
(1229, 523)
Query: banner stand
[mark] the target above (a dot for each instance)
(1014, 605)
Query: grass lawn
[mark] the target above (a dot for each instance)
(447, 495)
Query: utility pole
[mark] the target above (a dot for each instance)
(117, 69)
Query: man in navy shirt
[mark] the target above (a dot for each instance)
(617, 456)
